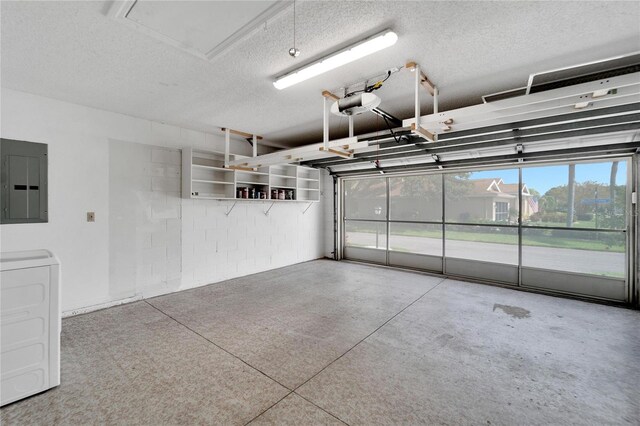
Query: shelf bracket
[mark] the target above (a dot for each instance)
(269, 209)
(229, 211)
(308, 207)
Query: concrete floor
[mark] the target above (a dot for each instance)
(335, 342)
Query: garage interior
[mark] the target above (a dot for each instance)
(317, 212)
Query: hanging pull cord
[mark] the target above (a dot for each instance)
(294, 52)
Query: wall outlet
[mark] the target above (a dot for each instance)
(91, 216)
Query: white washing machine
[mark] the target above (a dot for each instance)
(30, 323)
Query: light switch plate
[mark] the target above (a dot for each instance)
(91, 216)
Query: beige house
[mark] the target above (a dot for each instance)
(489, 199)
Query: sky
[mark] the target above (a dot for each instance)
(545, 177)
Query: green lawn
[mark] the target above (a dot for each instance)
(616, 245)
(603, 223)
(577, 224)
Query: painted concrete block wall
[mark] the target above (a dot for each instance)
(214, 246)
(145, 241)
(217, 246)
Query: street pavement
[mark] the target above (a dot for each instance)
(596, 262)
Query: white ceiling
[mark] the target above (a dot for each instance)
(203, 28)
(73, 51)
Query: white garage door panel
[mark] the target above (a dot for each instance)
(582, 284)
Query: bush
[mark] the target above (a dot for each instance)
(587, 217)
(535, 217)
(548, 217)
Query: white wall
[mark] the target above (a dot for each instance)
(213, 246)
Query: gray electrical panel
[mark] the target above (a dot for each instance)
(23, 186)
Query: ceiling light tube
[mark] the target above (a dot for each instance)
(359, 50)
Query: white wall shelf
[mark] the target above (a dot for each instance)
(246, 182)
(205, 177)
(213, 181)
(308, 184)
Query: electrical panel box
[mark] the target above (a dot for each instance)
(23, 182)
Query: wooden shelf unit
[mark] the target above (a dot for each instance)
(205, 177)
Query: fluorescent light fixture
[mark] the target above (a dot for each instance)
(359, 50)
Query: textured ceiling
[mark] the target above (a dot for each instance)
(74, 52)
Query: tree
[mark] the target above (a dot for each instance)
(547, 203)
(534, 193)
(610, 215)
(571, 194)
(458, 185)
(612, 185)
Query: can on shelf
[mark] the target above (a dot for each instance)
(274, 194)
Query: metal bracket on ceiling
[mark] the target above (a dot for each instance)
(446, 124)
